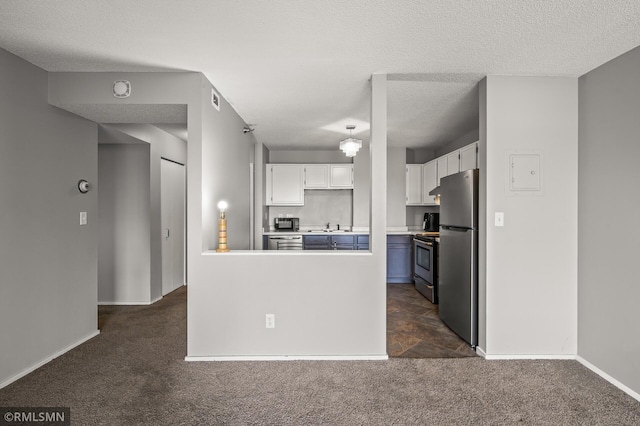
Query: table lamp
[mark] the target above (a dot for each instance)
(222, 228)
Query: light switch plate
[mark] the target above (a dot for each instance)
(499, 221)
(270, 320)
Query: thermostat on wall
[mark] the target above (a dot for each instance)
(121, 89)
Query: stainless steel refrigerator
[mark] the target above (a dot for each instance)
(458, 279)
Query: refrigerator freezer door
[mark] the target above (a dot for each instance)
(459, 199)
(457, 285)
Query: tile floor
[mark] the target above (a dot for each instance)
(414, 329)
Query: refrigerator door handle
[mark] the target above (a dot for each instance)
(456, 228)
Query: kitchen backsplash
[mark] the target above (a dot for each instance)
(415, 215)
(334, 206)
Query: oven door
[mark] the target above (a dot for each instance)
(424, 269)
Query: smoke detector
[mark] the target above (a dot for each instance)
(121, 89)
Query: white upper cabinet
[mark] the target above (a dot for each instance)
(469, 157)
(442, 168)
(340, 176)
(316, 176)
(453, 163)
(328, 176)
(414, 184)
(429, 182)
(285, 185)
(462, 159)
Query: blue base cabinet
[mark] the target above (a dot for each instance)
(399, 259)
(336, 242)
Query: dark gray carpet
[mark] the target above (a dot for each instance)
(134, 373)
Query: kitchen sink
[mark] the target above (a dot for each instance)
(327, 230)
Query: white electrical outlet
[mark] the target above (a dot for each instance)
(499, 221)
(270, 320)
(83, 218)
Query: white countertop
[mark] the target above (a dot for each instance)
(308, 232)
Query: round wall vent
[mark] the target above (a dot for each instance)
(121, 88)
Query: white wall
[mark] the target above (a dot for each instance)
(531, 272)
(48, 262)
(609, 202)
(124, 249)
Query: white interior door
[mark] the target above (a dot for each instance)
(173, 201)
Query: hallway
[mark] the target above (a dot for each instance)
(414, 329)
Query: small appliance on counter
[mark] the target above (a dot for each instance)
(431, 222)
(286, 224)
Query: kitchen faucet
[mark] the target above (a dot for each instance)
(328, 224)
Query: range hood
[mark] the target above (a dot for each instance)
(435, 191)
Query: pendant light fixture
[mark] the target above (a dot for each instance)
(350, 146)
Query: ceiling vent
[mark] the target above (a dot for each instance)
(215, 99)
(121, 89)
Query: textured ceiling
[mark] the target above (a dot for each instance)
(299, 70)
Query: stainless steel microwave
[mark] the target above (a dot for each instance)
(286, 224)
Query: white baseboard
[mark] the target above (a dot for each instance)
(528, 356)
(47, 359)
(128, 303)
(290, 358)
(481, 352)
(626, 389)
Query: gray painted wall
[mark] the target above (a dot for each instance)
(464, 140)
(225, 155)
(230, 293)
(48, 262)
(531, 262)
(362, 187)
(161, 145)
(261, 219)
(609, 202)
(419, 155)
(124, 249)
(396, 188)
(321, 206)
